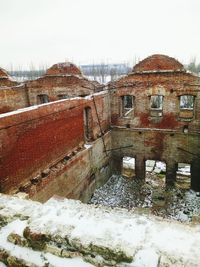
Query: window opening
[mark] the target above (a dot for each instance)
(62, 96)
(183, 176)
(41, 99)
(186, 106)
(128, 167)
(156, 105)
(186, 102)
(155, 172)
(127, 105)
(88, 123)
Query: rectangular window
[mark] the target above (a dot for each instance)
(186, 102)
(62, 96)
(156, 105)
(41, 99)
(186, 106)
(127, 105)
(88, 129)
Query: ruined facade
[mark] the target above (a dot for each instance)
(61, 81)
(11, 95)
(66, 136)
(155, 110)
(69, 147)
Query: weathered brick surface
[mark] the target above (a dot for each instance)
(37, 138)
(38, 142)
(41, 148)
(6, 80)
(142, 86)
(158, 63)
(12, 95)
(12, 98)
(62, 80)
(54, 86)
(158, 138)
(64, 68)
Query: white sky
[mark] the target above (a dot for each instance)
(87, 31)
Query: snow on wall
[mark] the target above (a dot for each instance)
(98, 234)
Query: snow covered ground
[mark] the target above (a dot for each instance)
(104, 234)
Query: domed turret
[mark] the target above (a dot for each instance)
(67, 68)
(3, 73)
(158, 63)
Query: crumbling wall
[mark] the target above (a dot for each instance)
(56, 87)
(37, 142)
(169, 132)
(77, 175)
(42, 147)
(61, 81)
(167, 146)
(142, 86)
(12, 94)
(12, 98)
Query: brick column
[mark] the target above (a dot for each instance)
(195, 175)
(140, 167)
(116, 165)
(171, 172)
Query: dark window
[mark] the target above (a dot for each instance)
(41, 99)
(127, 105)
(62, 97)
(156, 102)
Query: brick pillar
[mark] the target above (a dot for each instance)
(171, 172)
(195, 175)
(116, 165)
(140, 168)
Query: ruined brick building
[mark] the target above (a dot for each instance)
(66, 135)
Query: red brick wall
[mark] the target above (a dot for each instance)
(53, 86)
(35, 139)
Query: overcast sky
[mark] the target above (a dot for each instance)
(87, 31)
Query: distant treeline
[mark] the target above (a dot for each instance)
(27, 74)
(99, 72)
(194, 66)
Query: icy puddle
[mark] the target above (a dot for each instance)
(149, 197)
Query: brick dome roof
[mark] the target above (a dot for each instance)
(64, 68)
(158, 63)
(3, 73)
